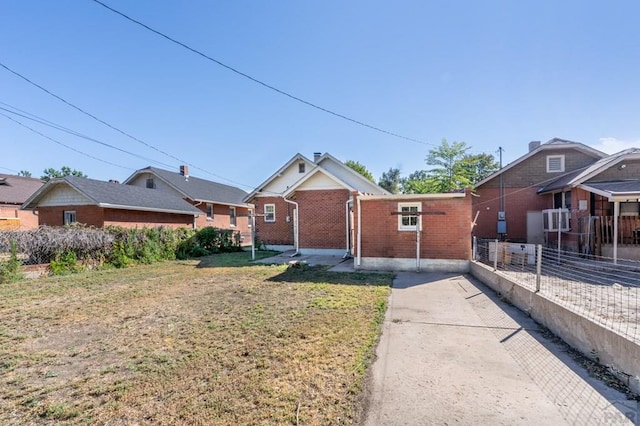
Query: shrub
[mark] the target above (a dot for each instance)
(209, 240)
(65, 263)
(10, 270)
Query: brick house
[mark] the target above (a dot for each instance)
(70, 199)
(15, 190)
(220, 205)
(599, 207)
(307, 205)
(413, 232)
(508, 205)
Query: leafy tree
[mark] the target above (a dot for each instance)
(450, 174)
(24, 173)
(51, 173)
(391, 181)
(360, 169)
(479, 166)
(418, 182)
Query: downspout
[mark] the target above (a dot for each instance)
(616, 212)
(195, 218)
(348, 234)
(359, 236)
(296, 227)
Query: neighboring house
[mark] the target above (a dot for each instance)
(600, 207)
(507, 204)
(429, 232)
(15, 190)
(222, 206)
(308, 205)
(72, 199)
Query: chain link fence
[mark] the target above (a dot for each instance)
(595, 287)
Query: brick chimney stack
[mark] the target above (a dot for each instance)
(316, 156)
(533, 145)
(184, 171)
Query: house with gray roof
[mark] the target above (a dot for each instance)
(15, 190)
(70, 199)
(221, 206)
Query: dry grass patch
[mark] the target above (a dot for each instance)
(216, 341)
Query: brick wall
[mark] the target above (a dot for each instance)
(444, 236)
(322, 218)
(279, 232)
(222, 219)
(99, 217)
(517, 201)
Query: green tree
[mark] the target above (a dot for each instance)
(24, 173)
(418, 182)
(360, 169)
(479, 166)
(51, 173)
(449, 173)
(391, 181)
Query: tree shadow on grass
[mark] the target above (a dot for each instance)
(303, 273)
(233, 260)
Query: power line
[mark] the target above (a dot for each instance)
(117, 129)
(51, 124)
(63, 144)
(260, 82)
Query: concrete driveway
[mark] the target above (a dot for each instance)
(451, 353)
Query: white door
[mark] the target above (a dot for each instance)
(535, 230)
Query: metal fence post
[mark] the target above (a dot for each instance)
(474, 249)
(538, 266)
(495, 256)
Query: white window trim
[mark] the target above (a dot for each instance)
(561, 157)
(209, 217)
(265, 213)
(402, 227)
(233, 216)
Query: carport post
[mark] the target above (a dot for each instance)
(538, 266)
(495, 256)
(474, 248)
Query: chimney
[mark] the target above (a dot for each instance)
(184, 171)
(533, 145)
(316, 156)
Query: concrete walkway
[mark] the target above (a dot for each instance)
(451, 353)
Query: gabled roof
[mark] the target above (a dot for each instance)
(622, 190)
(555, 143)
(295, 159)
(195, 188)
(353, 180)
(582, 175)
(116, 196)
(17, 189)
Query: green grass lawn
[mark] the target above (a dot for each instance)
(212, 341)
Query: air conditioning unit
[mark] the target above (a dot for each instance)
(552, 218)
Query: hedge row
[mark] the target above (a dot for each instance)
(75, 247)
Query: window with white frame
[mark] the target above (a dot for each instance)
(69, 217)
(209, 211)
(250, 217)
(408, 216)
(269, 212)
(301, 167)
(555, 163)
(232, 216)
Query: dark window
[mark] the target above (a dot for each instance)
(69, 217)
(232, 216)
(209, 211)
(300, 167)
(150, 183)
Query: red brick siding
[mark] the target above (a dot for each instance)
(322, 218)
(517, 201)
(222, 219)
(445, 236)
(99, 217)
(279, 232)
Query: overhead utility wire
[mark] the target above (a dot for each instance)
(63, 144)
(115, 128)
(45, 122)
(260, 82)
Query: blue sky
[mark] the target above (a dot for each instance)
(490, 73)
